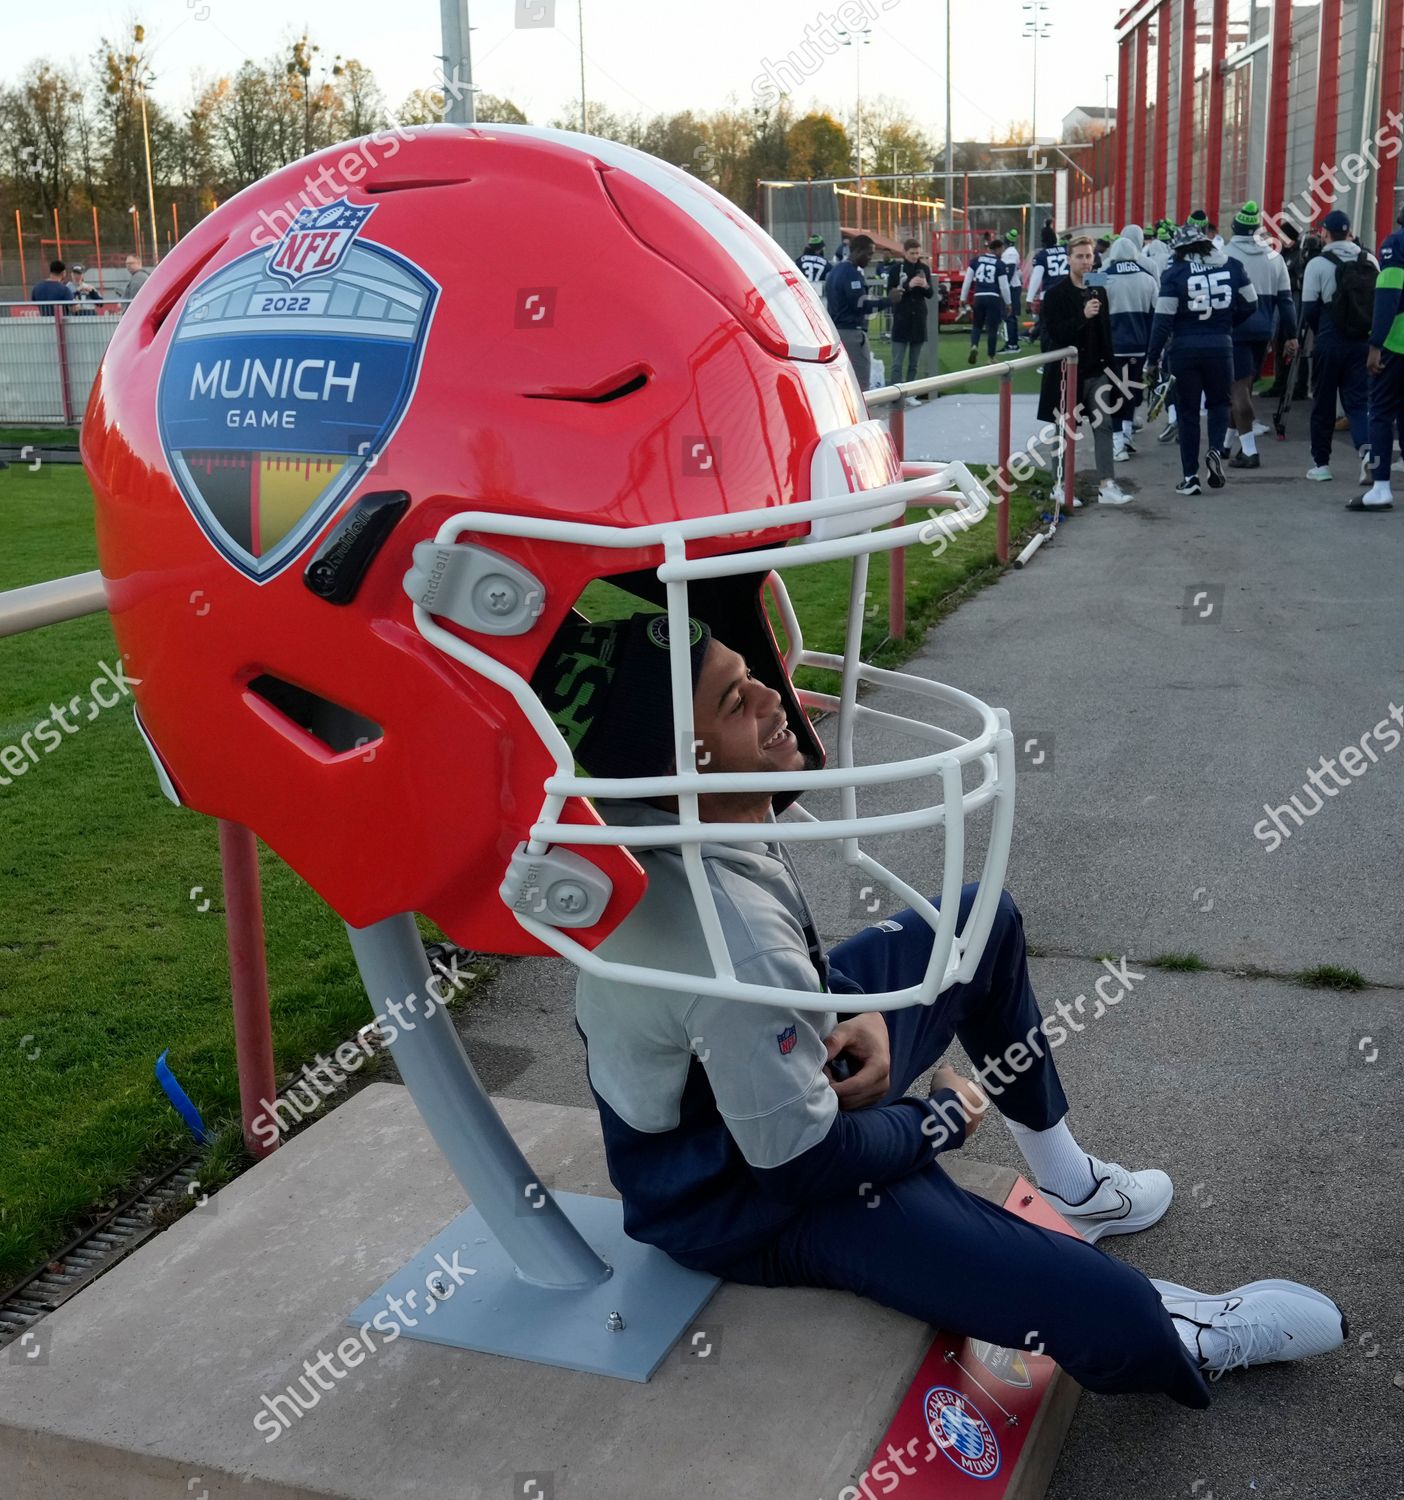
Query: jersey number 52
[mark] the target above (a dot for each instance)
(1208, 292)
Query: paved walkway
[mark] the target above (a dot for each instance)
(1179, 664)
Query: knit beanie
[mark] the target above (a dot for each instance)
(608, 689)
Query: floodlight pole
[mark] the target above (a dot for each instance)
(950, 150)
(458, 62)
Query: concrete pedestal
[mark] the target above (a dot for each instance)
(171, 1376)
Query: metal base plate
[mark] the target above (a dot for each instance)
(462, 1289)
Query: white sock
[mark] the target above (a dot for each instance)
(1128, 428)
(1380, 490)
(1170, 413)
(1248, 441)
(1059, 1165)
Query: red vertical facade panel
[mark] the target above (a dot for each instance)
(1279, 55)
(1214, 134)
(1328, 89)
(1184, 155)
(1162, 113)
(1138, 175)
(1123, 126)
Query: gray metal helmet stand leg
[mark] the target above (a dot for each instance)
(539, 1276)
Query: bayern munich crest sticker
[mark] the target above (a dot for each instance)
(961, 1432)
(288, 372)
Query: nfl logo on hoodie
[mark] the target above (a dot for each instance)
(786, 1040)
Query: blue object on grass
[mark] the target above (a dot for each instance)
(180, 1099)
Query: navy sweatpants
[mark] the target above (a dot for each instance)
(987, 313)
(1011, 323)
(1207, 371)
(1386, 413)
(1340, 369)
(928, 1248)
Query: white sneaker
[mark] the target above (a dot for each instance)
(1259, 429)
(1121, 455)
(1264, 1322)
(1320, 472)
(1109, 492)
(1122, 1203)
(910, 402)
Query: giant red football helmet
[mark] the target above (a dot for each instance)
(369, 432)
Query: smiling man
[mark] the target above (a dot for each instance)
(779, 1147)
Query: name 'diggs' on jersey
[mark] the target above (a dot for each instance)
(287, 373)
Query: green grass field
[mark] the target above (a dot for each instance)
(953, 349)
(105, 958)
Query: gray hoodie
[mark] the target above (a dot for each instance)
(1268, 272)
(1131, 293)
(1137, 238)
(1319, 284)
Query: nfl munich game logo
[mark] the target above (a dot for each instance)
(288, 372)
(317, 241)
(961, 1432)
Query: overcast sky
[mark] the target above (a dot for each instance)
(640, 54)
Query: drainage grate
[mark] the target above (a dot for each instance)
(83, 1261)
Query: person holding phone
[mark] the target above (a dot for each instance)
(1077, 312)
(909, 287)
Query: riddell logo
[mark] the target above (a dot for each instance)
(317, 241)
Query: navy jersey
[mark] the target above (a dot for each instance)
(1050, 267)
(985, 277)
(1388, 329)
(1200, 302)
(814, 265)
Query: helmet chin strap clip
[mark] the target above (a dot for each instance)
(559, 888)
(475, 588)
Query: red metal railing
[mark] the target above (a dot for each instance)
(895, 397)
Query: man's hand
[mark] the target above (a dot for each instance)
(866, 1041)
(1150, 377)
(973, 1099)
(1374, 361)
(1091, 308)
(1289, 349)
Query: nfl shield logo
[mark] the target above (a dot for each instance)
(317, 241)
(786, 1040)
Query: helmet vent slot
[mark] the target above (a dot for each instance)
(613, 389)
(172, 294)
(409, 184)
(303, 715)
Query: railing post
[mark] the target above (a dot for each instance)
(1070, 430)
(1006, 414)
(64, 388)
(248, 981)
(897, 561)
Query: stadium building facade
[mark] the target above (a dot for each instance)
(1295, 106)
